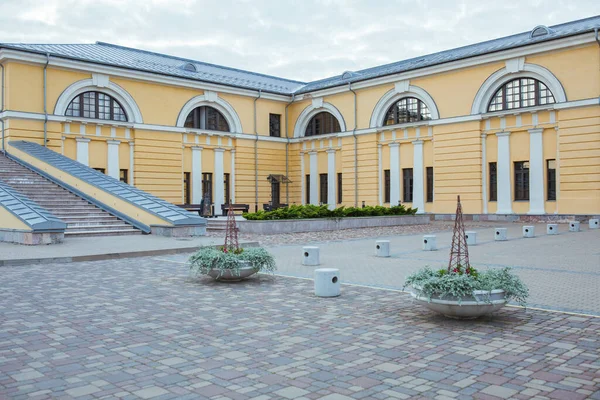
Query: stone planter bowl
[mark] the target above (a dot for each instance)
(230, 275)
(470, 307)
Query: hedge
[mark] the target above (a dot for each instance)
(311, 211)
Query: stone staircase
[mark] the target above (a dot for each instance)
(216, 224)
(82, 218)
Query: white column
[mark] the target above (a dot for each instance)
(418, 186)
(536, 172)
(131, 163)
(314, 176)
(83, 153)
(113, 158)
(331, 182)
(219, 187)
(302, 180)
(503, 170)
(196, 175)
(380, 174)
(232, 177)
(394, 173)
(484, 182)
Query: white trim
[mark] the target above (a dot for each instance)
(113, 168)
(394, 173)
(232, 183)
(504, 192)
(219, 194)
(331, 184)
(313, 109)
(536, 172)
(211, 99)
(484, 172)
(131, 163)
(104, 86)
(83, 152)
(418, 177)
(380, 173)
(302, 180)
(401, 90)
(314, 174)
(500, 77)
(196, 179)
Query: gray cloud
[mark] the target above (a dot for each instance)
(303, 40)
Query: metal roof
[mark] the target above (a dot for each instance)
(124, 57)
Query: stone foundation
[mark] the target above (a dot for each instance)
(557, 218)
(179, 231)
(31, 238)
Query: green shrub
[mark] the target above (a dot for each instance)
(312, 211)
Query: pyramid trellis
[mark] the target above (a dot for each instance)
(231, 232)
(459, 253)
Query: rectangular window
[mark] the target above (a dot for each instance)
(186, 188)
(102, 170)
(386, 186)
(493, 182)
(407, 175)
(339, 188)
(275, 125)
(226, 188)
(207, 187)
(308, 189)
(123, 176)
(323, 188)
(551, 179)
(430, 184)
(521, 180)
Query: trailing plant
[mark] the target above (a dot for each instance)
(210, 258)
(312, 211)
(461, 282)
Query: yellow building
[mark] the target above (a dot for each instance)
(512, 125)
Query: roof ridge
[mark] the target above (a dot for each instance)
(197, 62)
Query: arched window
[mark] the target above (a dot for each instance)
(322, 124)
(205, 117)
(519, 93)
(96, 105)
(407, 109)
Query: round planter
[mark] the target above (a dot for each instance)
(230, 275)
(470, 307)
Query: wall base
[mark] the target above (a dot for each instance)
(561, 218)
(31, 238)
(179, 231)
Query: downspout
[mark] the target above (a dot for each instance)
(256, 154)
(45, 101)
(2, 106)
(287, 150)
(355, 149)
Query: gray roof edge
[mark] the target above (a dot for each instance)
(50, 221)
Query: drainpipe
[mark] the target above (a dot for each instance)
(287, 149)
(2, 106)
(355, 149)
(45, 100)
(256, 153)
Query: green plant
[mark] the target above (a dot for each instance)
(460, 284)
(209, 258)
(312, 211)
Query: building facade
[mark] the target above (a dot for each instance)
(511, 125)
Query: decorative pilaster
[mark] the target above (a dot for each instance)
(83, 153)
(113, 158)
(504, 188)
(232, 176)
(302, 180)
(314, 175)
(131, 164)
(380, 174)
(219, 180)
(331, 181)
(394, 173)
(484, 180)
(418, 177)
(196, 175)
(536, 172)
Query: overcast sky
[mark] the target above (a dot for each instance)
(301, 39)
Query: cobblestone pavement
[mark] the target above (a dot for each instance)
(141, 328)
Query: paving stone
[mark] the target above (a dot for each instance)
(150, 392)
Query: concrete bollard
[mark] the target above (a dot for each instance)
(310, 255)
(382, 248)
(552, 229)
(574, 226)
(327, 282)
(501, 234)
(594, 223)
(471, 237)
(429, 243)
(528, 231)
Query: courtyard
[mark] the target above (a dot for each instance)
(143, 328)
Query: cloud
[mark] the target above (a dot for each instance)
(303, 40)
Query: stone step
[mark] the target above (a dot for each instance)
(131, 231)
(100, 227)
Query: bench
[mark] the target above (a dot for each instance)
(193, 208)
(244, 208)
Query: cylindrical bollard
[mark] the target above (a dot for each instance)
(528, 231)
(552, 229)
(501, 234)
(574, 226)
(594, 223)
(327, 282)
(471, 237)
(310, 255)
(382, 248)
(429, 243)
